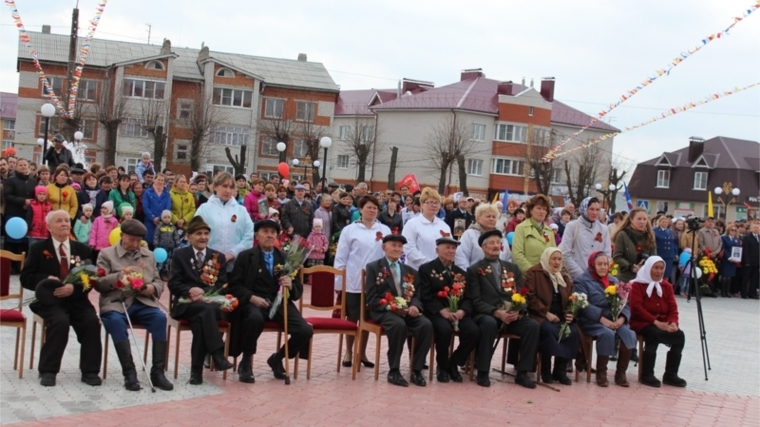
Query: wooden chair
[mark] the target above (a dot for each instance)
(640, 339)
(587, 349)
(323, 299)
(137, 327)
(13, 317)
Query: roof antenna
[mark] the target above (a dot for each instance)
(149, 28)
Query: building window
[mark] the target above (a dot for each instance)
(7, 144)
(342, 161)
(154, 65)
(305, 111)
(300, 149)
(269, 147)
(508, 167)
(267, 176)
(185, 108)
(557, 174)
(56, 83)
(222, 168)
(368, 133)
(182, 152)
(88, 90)
(225, 72)
(661, 206)
(511, 133)
(132, 164)
(9, 124)
(273, 108)
(478, 132)
(53, 126)
(228, 135)
(233, 97)
(700, 180)
(530, 111)
(345, 133)
(475, 167)
(663, 179)
(134, 128)
(87, 126)
(143, 89)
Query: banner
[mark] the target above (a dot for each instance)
(628, 200)
(410, 181)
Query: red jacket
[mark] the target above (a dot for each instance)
(36, 219)
(646, 309)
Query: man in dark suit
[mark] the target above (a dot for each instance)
(489, 283)
(435, 276)
(298, 214)
(751, 262)
(388, 275)
(196, 270)
(461, 212)
(47, 265)
(255, 282)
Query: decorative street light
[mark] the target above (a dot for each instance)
(325, 143)
(48, 111)
(78, 148)
(605, 192)
(729, 189)
(281, 147)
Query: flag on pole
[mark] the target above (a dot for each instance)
(505, 200)
(710, 210)
(628, 200)
(410, 180)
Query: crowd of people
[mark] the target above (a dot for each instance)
(226, 233)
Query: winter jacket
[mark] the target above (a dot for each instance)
(341, 217)
(581, 239)
(63, 197)
(83, 231)
(165, 237)
(317, 241)
(299, 216)
(251, 203)
(17, 189)
(118, 198)
(183, 205)
(101, 231)
(528, 243)
(667, 246)
(94, 196)
(54, 158)
(35, 218)
(142, 167)
(153, 205)
(630, 252)
(231, 227)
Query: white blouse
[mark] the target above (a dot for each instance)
(421, 235)
(357, 247)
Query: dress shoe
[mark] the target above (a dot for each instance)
(425, 366)
(523, 380)
(346, 363)
(196, 376)
(442, 375)
(650, 380)
(220, 362)
(91, 379)
(621, 379)
(207, 361)
(277, 368)
(245, 373)
(367, 364)
(674, 380)
(418, 379)
(483, 379)
(47, 379)
(454, 373)
(395, 378)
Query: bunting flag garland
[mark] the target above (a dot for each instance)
(658, 73)
(24, 37)
(668, 113)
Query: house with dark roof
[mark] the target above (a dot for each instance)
(503, 120)
(679, 182)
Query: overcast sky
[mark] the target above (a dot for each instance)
(597, 50)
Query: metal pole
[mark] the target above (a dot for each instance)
(137, 346)
(45, 139)
(324, 172)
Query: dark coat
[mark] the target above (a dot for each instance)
(667, 245)
(376, 286)
(483, 290)
(185, 275)
(84, 197)
(341, 217)
(395, 222)
(300, 217)
(726, 267)
(750, 251)
(16, 190)
(542, 292)
(54, 158)
(433, 278)
(456, 214)
(41, 262)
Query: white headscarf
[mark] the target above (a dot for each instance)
(645, 275)
(556, 276)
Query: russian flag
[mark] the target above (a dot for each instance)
(505, 200)
(628, 200)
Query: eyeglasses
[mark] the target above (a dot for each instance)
(432, 203)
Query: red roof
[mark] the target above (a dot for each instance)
(353, 102)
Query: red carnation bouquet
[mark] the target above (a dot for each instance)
(131, 281)
(454, 294)
(226, 302)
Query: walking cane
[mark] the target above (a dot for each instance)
(285, 296)
(134, 339)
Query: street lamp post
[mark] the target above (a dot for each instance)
(281, 147)
(605, 192)
(48, 111)
(325, 143)
(306, 163)
(729, 189)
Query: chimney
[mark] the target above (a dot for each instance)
(471, 74)
(547, 88)
(696, 146)
(531, 82)
(415, 86)
(302, 57)
(166, 48)
(203, 53)
(504, 88)
(46, 29)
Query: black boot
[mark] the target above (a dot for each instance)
(157, 376)
(220, 362)
(245, 370)
(560, 371)
(647, 369)
(546, 368)
(673, 361)
(127, 365)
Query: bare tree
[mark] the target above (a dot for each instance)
(360, 140)
(448, 141)
(153, 115)
(580, 172)
(110, 111)
(199, 122)
(311, 133)
(238, 161)
(616, 174)
(392, 169)
(279, 129)
(543, 171)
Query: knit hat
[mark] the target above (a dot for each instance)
(126, 207)
(40, 189)
(166, 212)
(317, 222)
(273, 211)
(108, 205)
(76, 186)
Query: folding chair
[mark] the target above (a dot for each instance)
(13, 317)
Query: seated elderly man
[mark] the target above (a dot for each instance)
(125, 258)
(62, 304)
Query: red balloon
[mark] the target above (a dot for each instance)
(284, 170)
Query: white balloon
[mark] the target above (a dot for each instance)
(698, 272)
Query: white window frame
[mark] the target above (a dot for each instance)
(478, 132)
(269, 147)
(185, 108)
(696, 181)
(133, 128)
(475, 167)
(7, 144)
(271, 107)
(368, 133)
(530, 111)
(231, 97)
(342, 161)
(557, 174)
(154, 63)
(509, 166)
(86, 92)
(223, 71)
(223, 168)
(154, 86)
(300, 148)
(182, 151)
(663, 179)
(231, 135)
(9, 124)
(56, 83)
(132, 164)
(345, 133)
(306, 111)
(510, 133)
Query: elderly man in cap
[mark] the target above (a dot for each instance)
(388, 276)
(125, 258)
(440, 278)
(255, 281)
(490, 282)
(298, 214)
(62, 304)
(197, 269)
(58, 154)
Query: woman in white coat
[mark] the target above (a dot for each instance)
(583, 237)
(469, 252)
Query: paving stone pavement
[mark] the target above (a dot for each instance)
(731, 397)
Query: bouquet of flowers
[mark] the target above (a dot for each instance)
(517, 301)
(390, 303)
(453, 295)
(227, 303)
(708, 265)
(84, 276)
(617, 298)
(131, 281)
(578, 301)
(296, 252)
(614, 269)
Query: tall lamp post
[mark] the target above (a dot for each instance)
(281, 147)
(48, 111)
(306, 163)
(325, 143)
(730, 191)
(605, 192)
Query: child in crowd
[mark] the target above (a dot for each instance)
(37, 215)
(517, 218)
(242, 188)
(102, 228)
(165, 237)
(685, 275)
(318, 243)
(83, 229)
(127, 212)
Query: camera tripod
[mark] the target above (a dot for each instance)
(691, 265)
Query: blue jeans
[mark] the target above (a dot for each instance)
(152, 318)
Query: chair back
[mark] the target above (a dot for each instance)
(323, 289)
(6, 258)
(363, 304)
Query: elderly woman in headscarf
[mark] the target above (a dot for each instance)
(469, 251)
(596, 320)
(654, 315)
(548, 299)
(583, 237)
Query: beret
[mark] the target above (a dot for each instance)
(487, 234)
(134, 227)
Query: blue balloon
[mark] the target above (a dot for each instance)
(16, 228)
(510, 237)
(683, 259)
(160, 255)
